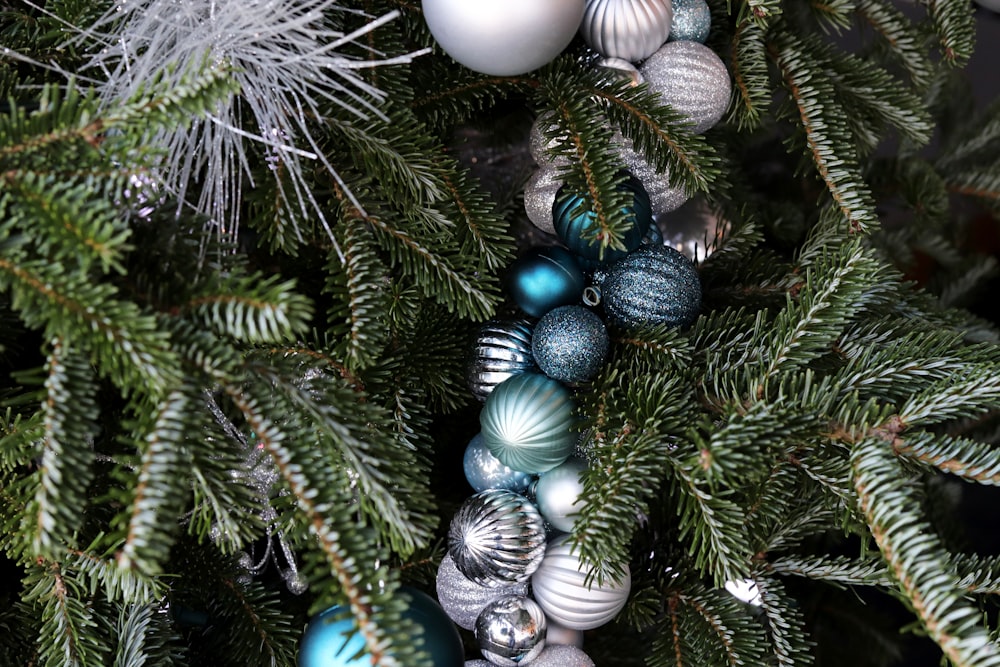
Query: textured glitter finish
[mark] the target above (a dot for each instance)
(462, 599)
(557, 494)
(628, 29)
(557, 655)
(692, 79)
(510, 631)
(570, 343)
(540, 197)
(501, 350)
(485, 471)
(544, 278)
(692, 21)
(653, 285)
(574, 227)
(539, 146)
(663, 197)
(497, 538)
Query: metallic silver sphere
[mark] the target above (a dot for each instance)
(510, 631)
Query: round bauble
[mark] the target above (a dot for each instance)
(478, 663)
(570, 343)
(663, 197)
(628, 29)
(692, 21)
(501, 350)
(485, 471)
(497, 538)
(557, 494)
(503, 37)
(559, 587)
(462, 599)
(540, 198)
(993, 5)
(544, 278)
(575, 226)
(511, 631)
(691, 79)
(331, 640)
(540, 146)
(654, 285)
(528, 423)
(557, 655)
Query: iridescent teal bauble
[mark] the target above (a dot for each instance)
(330, 639)
(575, 227)
(485, 471)
(501, 349)
(569, 344)
(654, 285)
(558, 491)
(691, 21)
(544, 278)
(528, 423)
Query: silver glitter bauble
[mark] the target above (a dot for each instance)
(692, 80)
(503, 37)
(562, 656)
(462, 599)
(628, 29)
(510, 631)
(663, 197)
(692, 21)
(570, 343)
(478, 663)
(540, 147)
(501, 350)
(654, 285)
(557, 494)
(540, 196)
(497, 538)
(559, 586)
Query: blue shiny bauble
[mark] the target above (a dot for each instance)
(569, 344)
(330, 641)
(691, 21)
(485, 471)
(573, 225)
(544, 278)
(654, 285)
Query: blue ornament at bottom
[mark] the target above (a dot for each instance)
(331, 640)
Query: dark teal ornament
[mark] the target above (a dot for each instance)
(331, 640)
(653, 285)
(574, 226)
(569, 344)
(544, 278)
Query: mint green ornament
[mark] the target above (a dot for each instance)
(527, 423)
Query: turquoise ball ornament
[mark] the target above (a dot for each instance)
(485, 471)
(545, 278)
(528, 423)
(331, 640)
(575, 226)
(570, 343)
(654, 285)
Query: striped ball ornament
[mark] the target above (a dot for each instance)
(628, 29)
(655, 285)
(501, 350)
(692, 80)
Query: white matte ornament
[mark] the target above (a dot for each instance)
(503, 37)
(628, 29)
(993, 5)
(692, 79)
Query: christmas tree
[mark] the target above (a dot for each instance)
(258, 259)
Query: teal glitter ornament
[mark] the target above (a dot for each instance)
(574, 226)
(544, 278)
(527, 423)
(501, 349)
(331, 640)
(691, 21)
(569, 344)
(653, 285)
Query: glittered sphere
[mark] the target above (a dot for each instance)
(654, 285)
(570, 343)
(544, 278)
(692, 21)
(462, 599)
(575, 226)
(510, 631)
(540, 146)
(540, 197)
(331, 640)
(497, 538)
(555, 655)
(503, 37)
(559, 587)
(485, 471)
(663, 196)
(557, 494)
(628, 29)
(528, 423)
(691, 79)
(502, 349)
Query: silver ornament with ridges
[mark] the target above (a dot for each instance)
(628, 29)
(497, 538)
(510, 631)
(559, 586)
(557, 655)
(462, 599)
(692, 80)
(654, 285)
(501, 350)
(540, 196)
(663, 197)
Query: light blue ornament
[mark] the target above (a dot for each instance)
(485, 471)
(654, 285)
(692, 21)
(558, 491)
(527, 423)
(331, 640)
(544, 278)
(574, 227)
(570, 343)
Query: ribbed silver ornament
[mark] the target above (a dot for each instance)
(628, 29)
(501, 350)
(692, 79)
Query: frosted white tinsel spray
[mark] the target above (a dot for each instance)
(283, 54)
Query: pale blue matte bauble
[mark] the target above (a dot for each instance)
(545, 278)
(485, 471)
(573, 226)
(330, 641)
(557, 494)
(570, 343)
